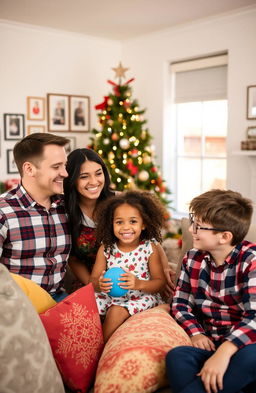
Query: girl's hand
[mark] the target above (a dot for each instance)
(105, 284)
(203, 342)
(128, 280)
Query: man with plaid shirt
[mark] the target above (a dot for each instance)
(215, 300)
(34, 235)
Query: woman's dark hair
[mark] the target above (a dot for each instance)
(149, 206)
(75, 159)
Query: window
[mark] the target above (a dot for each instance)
(199, 129)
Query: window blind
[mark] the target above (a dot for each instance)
(200, 79)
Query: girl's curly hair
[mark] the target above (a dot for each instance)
(151, 210)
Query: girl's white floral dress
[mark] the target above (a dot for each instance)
(137, 262)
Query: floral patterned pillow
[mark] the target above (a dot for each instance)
(133, 360)
(74, 330)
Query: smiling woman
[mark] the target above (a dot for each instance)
(88, 183)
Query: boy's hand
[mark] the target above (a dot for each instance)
(213, 371)
(105, 284)
(203, 342)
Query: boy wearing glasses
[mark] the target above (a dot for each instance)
(215, 300)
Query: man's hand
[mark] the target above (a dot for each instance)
(203, 342)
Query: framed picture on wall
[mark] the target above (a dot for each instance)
(251, 132)
(11, 165)
(251, 102)
(14, 126)
(71, 145)
(35, 108)
(79, 113)
(32, 129)
(58, 112)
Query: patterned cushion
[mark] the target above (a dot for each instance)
(40, 299)
(74, 330)
(133, 360)
(26, 361)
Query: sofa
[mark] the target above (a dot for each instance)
(59, 348)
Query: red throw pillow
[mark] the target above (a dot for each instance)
(74, 331)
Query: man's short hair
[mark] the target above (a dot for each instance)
(227, 210)
(32, 147)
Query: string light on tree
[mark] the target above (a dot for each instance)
(124, 141)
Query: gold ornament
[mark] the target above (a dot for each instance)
(143, 176)
(111, 156)
(143, 134)
(146, 159)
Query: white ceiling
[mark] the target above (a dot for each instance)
(114, 19)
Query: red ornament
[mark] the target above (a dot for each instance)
(134, 152)
(103, 105)
(129, 81)
(112, 83)
(154, 169)
(116, 91)
(132, 168)
(114, 137)
(115, 88)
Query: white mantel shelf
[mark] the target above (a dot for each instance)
(246, 153)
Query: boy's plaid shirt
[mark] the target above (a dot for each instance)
(34, 242)
(224, 297)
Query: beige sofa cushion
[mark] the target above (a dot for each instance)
(133, 360)
(26, 361)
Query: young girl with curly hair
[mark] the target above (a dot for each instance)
(128, 225)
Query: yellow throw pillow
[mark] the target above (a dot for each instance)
(40, 299)
(133, 360)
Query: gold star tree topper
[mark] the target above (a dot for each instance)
(120, 71)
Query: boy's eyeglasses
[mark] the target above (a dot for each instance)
(195, 226)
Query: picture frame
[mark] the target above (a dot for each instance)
(58, 112)
(251, 132)
(79, 113)
(32, 129)
(71, 145)
(251, 102)
(14, 126)
(35, 108)
(11, 165)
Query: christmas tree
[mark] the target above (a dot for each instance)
(123, 141)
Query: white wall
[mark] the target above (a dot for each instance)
(149, 57)
(37, 61)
